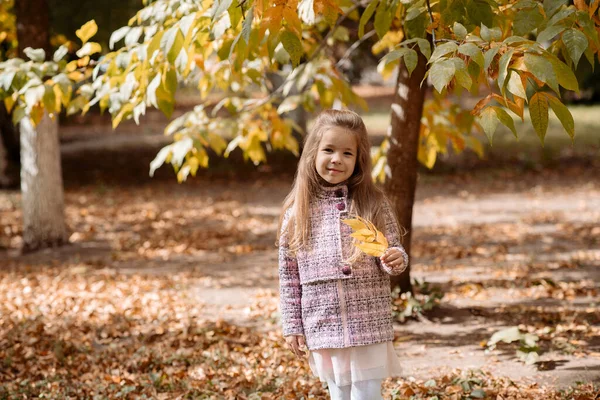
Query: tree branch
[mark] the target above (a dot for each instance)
(354, 47)
(431, 19)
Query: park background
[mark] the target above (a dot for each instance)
(169, 290)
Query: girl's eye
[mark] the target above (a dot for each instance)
(348, 153)
(327, 150)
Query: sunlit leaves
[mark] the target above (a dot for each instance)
(89, 49)
(441, 73)
(37, 55)
(229, 48)
(31, 88)
(87, 31)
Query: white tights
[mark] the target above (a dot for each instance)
(363, 390)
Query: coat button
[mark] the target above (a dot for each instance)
(341, 206)
(346, 270)
(339, 193)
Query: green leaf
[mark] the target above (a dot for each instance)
(538, 111)
(563, 114)
(411, 59)
(527, 20)
(551, 6)
(459, 31)
(488, 119)
(441, 73)
(154, 44)
(393, 55)
(489, 56)
(247, 24)
(461, 74)
(37, 55)
(515, 84)
(485, 33)
(442, 50)
(172, 43)
(473, 51)
(383, 19)
(576, 43)
(478, 394)
(88, 30)
(503, 68)
(560, 16)
(423, 44)
(366, 16)
(292, 45)
(480, 12)
(566, 77)
(542, 69)
(549, 33)
(506, 120)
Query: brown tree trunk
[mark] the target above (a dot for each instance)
(41, 178)
(33, 25)
(41, 185)
(407, 110)
(9, 150)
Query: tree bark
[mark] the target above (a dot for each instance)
(33, 25)
(41, 185)
(407, 109)
(9, 150)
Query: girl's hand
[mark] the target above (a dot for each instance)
(295, 343)
(393, 258)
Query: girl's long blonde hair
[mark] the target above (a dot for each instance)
(367, 199)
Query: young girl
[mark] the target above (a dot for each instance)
(335, 300)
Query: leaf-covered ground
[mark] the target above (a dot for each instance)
(169, 291)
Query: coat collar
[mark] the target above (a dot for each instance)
(332, 192)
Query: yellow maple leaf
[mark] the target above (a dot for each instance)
(368, 239)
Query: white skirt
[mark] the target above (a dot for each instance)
(354, 364)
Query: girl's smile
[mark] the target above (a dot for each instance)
(336, 155)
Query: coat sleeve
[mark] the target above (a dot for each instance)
(392, 234)
(290, 290)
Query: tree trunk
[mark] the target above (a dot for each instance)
(41, 185)
(33, 25)
(9, 150)
(407, 110)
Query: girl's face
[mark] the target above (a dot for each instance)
(336, 155)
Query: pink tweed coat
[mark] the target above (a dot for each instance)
(335, 305)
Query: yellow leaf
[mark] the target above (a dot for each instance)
(372, 249)
(75, 76)
(87, 31)
(355, 224)
(370, 240)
